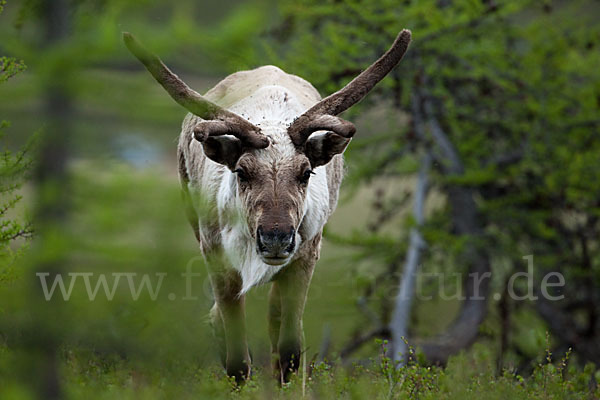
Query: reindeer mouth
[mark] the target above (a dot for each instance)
(275, 261)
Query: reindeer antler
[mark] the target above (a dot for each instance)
(220, 121)
(322, 115)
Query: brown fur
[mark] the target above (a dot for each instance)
(274, 195)
(272, 187)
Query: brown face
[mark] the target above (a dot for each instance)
(273, 193)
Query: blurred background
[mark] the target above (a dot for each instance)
(481, 148)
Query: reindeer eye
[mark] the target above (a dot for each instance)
(242, 176)
(306, 176)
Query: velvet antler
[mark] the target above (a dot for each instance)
(322, 116)
(219, 121)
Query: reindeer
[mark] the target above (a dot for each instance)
(260, 165)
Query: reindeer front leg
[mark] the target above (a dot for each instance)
(290, 288)
(228, 317)
(274, 316)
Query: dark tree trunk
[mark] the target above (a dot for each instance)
(52, 185)
(466, 222)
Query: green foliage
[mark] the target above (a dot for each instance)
(94, 375)
(514, 86)
(506, 79)
(14, 170)
(9, 67)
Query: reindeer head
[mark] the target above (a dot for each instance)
(273, 185)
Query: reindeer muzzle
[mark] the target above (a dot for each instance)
(275, 245)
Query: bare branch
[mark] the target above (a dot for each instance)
(380, 332)
(465, 328)
(404, 298)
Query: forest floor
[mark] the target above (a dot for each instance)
(130, 220)
(92, 375)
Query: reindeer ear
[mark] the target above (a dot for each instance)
(320, 148)
(225, 150)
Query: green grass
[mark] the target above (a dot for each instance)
(92, 375)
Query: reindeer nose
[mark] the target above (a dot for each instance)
(275, 243)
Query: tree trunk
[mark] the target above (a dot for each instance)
(51, 188)
(404, 298)
(465, 328)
